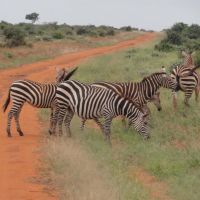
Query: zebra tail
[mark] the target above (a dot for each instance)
(70, 74)
(5, 105)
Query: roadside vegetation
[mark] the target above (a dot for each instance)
(169, 163)
(181, 37)
(24, 43)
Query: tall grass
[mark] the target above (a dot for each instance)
(172, 153)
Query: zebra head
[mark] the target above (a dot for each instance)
(156, 101)
(64, 75)
(167, 81)
(140, 123)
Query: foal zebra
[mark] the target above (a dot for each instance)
(188, 80)
(90, 102)
(36, 94)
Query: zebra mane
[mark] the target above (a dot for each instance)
(154, 74)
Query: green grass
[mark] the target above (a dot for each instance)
(172, 153)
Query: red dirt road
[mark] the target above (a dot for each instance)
(19, 156)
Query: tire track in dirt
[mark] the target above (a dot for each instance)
(19, 156)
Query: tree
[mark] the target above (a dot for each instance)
(33, 17)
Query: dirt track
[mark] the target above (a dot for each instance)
(18, 155)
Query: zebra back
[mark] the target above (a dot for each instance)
(94, 102)
(140, 92)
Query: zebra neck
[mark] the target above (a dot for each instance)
(126, 108)
(148, 89)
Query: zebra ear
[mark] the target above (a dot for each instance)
(163, 69)
(184, 53)
(57, 69)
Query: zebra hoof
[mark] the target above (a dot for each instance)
(50, 132)
(21, 133)
(9, 133)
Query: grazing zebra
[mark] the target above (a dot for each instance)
(140, 93)
(90, 102)
(39, 95)
(188, 80)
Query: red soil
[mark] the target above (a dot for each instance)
(19, 156)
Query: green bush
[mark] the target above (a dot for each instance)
(47, 38)
(164, 46)
(174, 38)
(181, 36)
(196, 58)
(14, 36)
(57, 35)
(193, 31)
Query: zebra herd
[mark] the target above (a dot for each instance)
(100, 100)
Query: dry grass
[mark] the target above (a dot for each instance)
(77, 175)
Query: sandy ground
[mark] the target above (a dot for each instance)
(19, 156)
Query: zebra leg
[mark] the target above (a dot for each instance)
(51, 121)
(197, 93)
(14, 111)
(54, 120)
(82, 124)
(61, 115)
(67, 121)
(16, 116)
(188, 94)
(106, 130)
(10, 116)
(99, 124)
(174, 94)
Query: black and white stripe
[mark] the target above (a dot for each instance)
(141, 92)
(90, 102)
(36, 94)
(187, 82)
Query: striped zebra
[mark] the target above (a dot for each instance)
(39, 95)
(188, 61)
(140, 93)
(188, 80)
(90, 102)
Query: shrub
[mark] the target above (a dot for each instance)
(14, 36)
(8, 55)
(196, 58)
(81, 31)
(179, 27)
(57, 35)
(174, 38)
(47, 38)
(193, 31)
(164, 46)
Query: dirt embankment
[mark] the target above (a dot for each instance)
(19, 156)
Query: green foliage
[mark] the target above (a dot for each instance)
(57, 35)
(181, 36)
(196, 58)
(174, 38)
(33, 17)
(14, 36)
(8, 55)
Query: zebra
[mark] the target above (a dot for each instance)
(188, 79)
(90, 102)
(140, 93)
(188, 61)
(40, 95)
